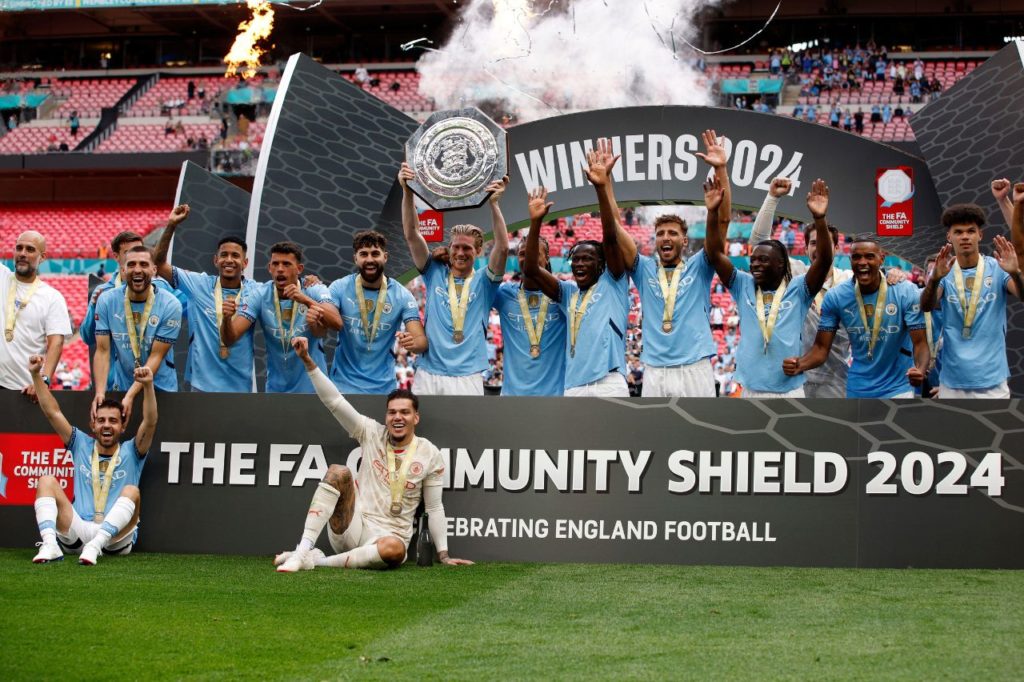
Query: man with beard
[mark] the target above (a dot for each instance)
(458, 301)
(878, 319)
(33, 315)
(120, 245)
(212, 365)
(280, 305)
(142, 321)
(369, 515)
(105, 514)
(596, 302)
(971, 289)
(771, 302)
(372, 309)
(532, 325)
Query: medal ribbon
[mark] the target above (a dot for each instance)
(971, 310)
(576, 315)
(11, 316)
(100, 491)
(397, 479)
(768, 326)
(370, 332)
(534, 329)
(218, 306)
(137, 334)
(669, 290)
(286, 339)
(824, 289)
(458, 304)
(876, 322)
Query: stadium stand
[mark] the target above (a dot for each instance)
(170, 93)
(42, 136)
(152, 137)
(87, 96)
(76, 231)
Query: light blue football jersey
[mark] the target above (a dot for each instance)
(690, 339)
(206, 370)
(127, 472)
(601, 340)
(163, 324)
(360, 367)
(524, 374)
(884, 375)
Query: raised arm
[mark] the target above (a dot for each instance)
(539, 207)
(328, 393)
(762, 229)
(619, 247)
(163, 266)
(47, 403)
(714, 237)
(54, 346)
(714, 154)
(814, 357)
(817, 203)
(144, 436)
(322, 316)
(932, 292)
(1007, 257)
(411, 221)
(1001, 193)
(498, 260)
(1016, 220)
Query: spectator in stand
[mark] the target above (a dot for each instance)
(243, 126)
(201, 91)
(223, 129)
(812, 114)
(848, 121)
(775, 63)
(191, 90)
(880, 70)
(74, 123)
(876, 113)
(935, 87)
(858, 121)
(169, 125)
(915, 92)
(12, 122)
(886, 113)
(33, 315)
(362, 75)
(897, 87)
(735, 248)
(203, 143)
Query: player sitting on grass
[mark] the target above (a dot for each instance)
(371, 523)
(105, 513)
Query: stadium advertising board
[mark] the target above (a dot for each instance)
(689, 481)
(36, 5)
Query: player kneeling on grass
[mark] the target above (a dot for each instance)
(370, 525)
(105, 514)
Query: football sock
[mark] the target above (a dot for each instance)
(120, 514)
(325, 499)
(366, 556)
(46, 518)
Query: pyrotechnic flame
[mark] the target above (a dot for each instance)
(245, 49)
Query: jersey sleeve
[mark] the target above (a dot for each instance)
(830, 309)
(436, 466)
(252, 300)
(170, 322)
(58, 318)
(335, 293)
(410, 311)
(186, 281)
(566, 288)
(103, 313)
(913, 318)
(321, 294)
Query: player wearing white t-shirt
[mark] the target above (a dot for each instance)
(33, 316)
(370, 515)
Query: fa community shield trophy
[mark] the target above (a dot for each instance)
(455, 155)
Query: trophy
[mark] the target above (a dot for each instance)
(455, 155)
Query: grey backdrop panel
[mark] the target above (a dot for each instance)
(332, 153)
(204, 512)
(970, 136)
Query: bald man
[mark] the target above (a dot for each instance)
(33, 317)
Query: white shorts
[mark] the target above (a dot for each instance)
(795, 393)
(815, 389)
(425, 383)
(903, 396)
(612, 385)
(82, 532)
(1000, 391)
(695, 380)
(359, 534)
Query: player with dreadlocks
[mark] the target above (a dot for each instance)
(771, 302)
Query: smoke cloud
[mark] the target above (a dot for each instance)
(539, 58)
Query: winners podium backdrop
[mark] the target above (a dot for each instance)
(856, 483)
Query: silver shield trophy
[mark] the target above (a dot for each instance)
(455, 155)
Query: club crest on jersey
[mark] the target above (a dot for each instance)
(988, 281)
(387, 308)
(890, 309)
(153, 320)
(415, 468)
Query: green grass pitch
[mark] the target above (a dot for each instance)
(159, 616)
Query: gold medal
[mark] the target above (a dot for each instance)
(397, 477)
(458, 303)
(967, 332)
(666, 326)
(534, 351)
(218, 309)
(974, 285)
(534, 300)
(224, 352)
(873, 313)
(457, 337)
(669, 292)
(102, 477)
(572, 352)
(366, 305)
(534, 328)
(396, 509)
(767, 323)
(9, 335)
(136, 323)
(576, 313)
